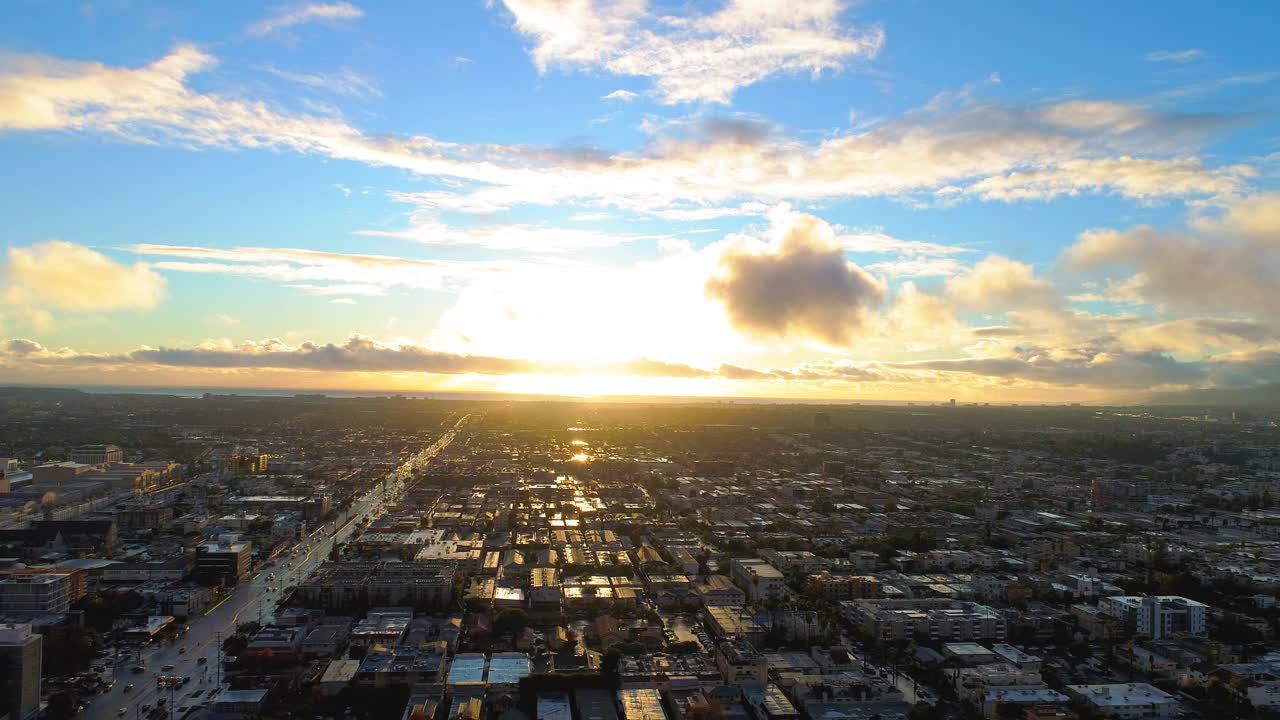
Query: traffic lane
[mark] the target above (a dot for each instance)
(204, 630)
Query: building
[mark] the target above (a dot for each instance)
(844, 587)
(719, 591)
(741, 664)
(42, 594)
(934, 619)
(1128, 701)
(641, 704)
(153, 516)
(96, 454)
(250, 462)
(1157, 616)
(75, 577)
(761, 580)
(20, 659)
(353, 586)
(224, 563)
(240, 703)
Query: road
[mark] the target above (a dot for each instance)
(253, 600)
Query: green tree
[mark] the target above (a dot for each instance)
(511, 620)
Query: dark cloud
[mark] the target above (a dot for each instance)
(733, 372)
(358, 354)
(738, 130)
(1090, 365)
(22, 346)
(801, 285)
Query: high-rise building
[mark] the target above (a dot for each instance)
(20, 657)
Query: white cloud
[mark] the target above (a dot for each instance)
(343, 81)
(525, 238)
(693, 58)
(952, 148)
(621, 96)
(1141, 178)
(60, 275)
(917, 267)
(1230, 261)
(1175, 56)
(318, 272)
(999, 283)
(301, 14)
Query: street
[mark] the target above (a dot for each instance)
(253, 600)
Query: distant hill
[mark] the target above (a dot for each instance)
(1258, 396)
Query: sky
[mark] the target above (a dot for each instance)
(987, 201)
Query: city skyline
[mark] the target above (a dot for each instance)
(819, 200)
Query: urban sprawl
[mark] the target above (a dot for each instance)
(309, 557)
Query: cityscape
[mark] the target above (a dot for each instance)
(303, 556)
(639, 360)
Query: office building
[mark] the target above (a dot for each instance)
(20, 659)
(42, 594)
(96, 454)
(222, 563)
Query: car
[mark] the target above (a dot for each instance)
(138, 669)
(128, 687)
(122, 711)
(202, 660)
(182, 650)
(168, 667)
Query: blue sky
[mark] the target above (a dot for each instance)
(734, 197)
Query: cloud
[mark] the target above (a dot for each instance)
(693, 58)
(917, 267)
(61, 275)
(22, 347)
(733, 372)
(300, 14)
(866, 241)
(953, 148)
(621, 96)
(343, 81)
(1088, 365)
(1141, 178)
(427, 230)
(1197, 335)
(798, 284)
(319, 272)
(999, 283)
(1175, 56)
(358, 354)
(1230, 261)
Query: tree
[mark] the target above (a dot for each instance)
(511, 620)
(62, 705)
